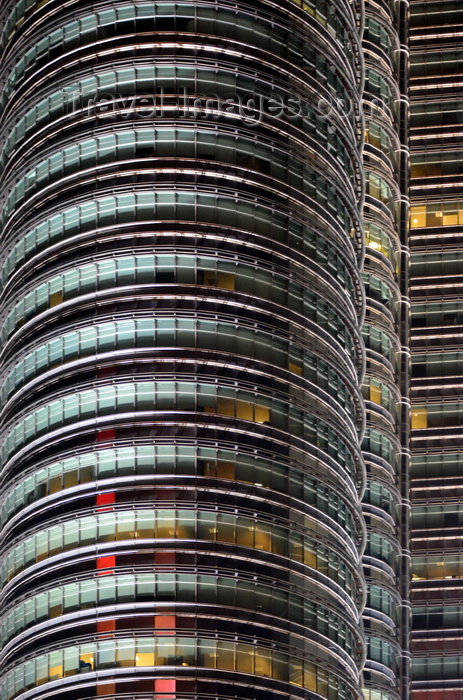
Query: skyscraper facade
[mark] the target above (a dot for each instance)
(181, 252)
(436, 230)
(385, 331)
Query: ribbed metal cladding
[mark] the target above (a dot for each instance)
(181, 354)
(386, 503)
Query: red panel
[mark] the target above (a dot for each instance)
(103, 499)
(165, 685)
(106, 435)
(164, 623)
(106, 625)
(105, 563)
(164, 557)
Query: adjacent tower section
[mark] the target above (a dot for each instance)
(180, 350)
(436, 340)
(385, 504)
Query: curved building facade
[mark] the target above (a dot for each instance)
(386, 502)
(181, 354)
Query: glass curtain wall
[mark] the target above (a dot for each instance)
(385, 389)
(181, 354)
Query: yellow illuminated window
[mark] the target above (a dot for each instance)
(450, 219)
(376, 239)
(296, 676)
(55, 484)
(226, 655)
(241, 409)
(310, 677)
(445, 214)
(373, 138)
(244, 410)
(144, 659)
(87, 658)
(224, 470)
(375, 394)
(71, 478)
(307, 8)
(418, 217)
(310, 558)
(263, 662)
(56, 672)
(226, 280)
(244, 659)
(56, 298)
(263, 537)
(261, 414)
(245, 532)
(225, 406)
(295, 368)
(419, 418)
